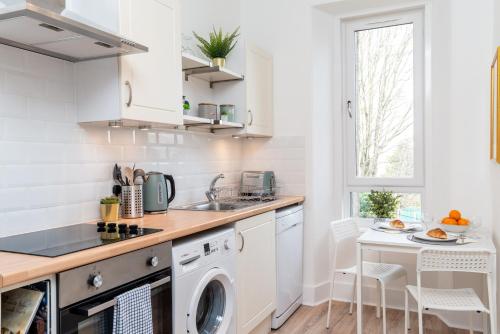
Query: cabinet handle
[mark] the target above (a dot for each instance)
(242, 242)
(129, 85)
(349, 109)
(251, 117)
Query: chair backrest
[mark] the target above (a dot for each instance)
(446, 259)
(343, 235)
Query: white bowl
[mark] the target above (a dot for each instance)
(454, 228)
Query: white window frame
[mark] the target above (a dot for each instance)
(353, 182)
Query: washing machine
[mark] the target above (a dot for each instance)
(204, 289)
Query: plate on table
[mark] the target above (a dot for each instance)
(423, 236)
(408, 226)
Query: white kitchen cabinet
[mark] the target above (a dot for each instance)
(259, 92)
(256, 270)
(138, 89)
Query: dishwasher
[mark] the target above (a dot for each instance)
(289, 249)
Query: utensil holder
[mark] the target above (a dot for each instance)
(132, 203)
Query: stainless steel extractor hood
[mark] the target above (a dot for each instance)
(40, 26)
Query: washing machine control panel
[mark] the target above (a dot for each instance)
(214, 246)
(192, 254)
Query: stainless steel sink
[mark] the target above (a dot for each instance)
(217, 206)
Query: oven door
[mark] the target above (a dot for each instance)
(95, 315)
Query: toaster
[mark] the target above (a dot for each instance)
(258, 183)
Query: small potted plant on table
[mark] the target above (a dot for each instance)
(110, 209)
(218, 46)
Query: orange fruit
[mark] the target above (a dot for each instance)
(455, 214)
(463, 221)
(449, 221)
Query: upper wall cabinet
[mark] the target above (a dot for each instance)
(142, 89)
(259, 92)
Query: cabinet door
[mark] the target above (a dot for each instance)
(259, 83)
(256, 271)
(152, 82)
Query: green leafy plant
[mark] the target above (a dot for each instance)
(383, 204)
(219, 45)
(110, 200)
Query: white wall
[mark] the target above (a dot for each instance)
(469, 107)
(53, 171)
(467, 119)
(494, 167)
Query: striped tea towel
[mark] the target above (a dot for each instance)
(133, 312)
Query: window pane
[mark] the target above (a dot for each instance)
(385, 117)
(409, 207)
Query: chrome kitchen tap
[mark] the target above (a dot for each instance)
(211, 193)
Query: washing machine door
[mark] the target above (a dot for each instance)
(211, 308)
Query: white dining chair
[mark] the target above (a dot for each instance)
(450, 260)
(343, 235)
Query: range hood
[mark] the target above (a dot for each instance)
(44, 26)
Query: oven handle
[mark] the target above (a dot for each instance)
(110, 303)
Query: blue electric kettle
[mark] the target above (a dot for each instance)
(156, 194)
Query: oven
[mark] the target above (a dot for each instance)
(86, 295)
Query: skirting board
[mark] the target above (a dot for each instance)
(318, 294)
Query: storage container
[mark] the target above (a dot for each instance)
(207, 110)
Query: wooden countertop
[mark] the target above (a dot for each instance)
(18, 268)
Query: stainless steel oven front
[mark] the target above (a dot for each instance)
(86, 295)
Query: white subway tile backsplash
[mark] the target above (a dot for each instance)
(60, 91)
(46, 67)
(146, 138)
(134, 153)
(95, 135)
(69, 133)
(20, 83)
(13, 152)
(14, 106)
(121, 136)
(22, 176)
(109, 153)
(46, 110)
(80, 153)
(46, 196)
(45, 152)
(165, 139)
(24, 130)
(156, 153)
(11, 58)
(13, 199)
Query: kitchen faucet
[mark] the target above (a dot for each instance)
(211, 193)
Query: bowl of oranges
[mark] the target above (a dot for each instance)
(455, 223)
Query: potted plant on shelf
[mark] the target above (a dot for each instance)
(218, 46)
(383, 204)
(110, 209)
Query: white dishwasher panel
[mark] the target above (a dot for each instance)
(289, 248)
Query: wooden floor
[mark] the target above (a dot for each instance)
(312, 320)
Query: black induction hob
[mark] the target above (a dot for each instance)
(65, 240)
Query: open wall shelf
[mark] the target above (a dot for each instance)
(211, 124)
(203, 69)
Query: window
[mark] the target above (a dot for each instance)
(384, 95)
(410, 206)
